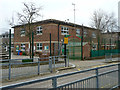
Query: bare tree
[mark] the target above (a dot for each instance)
(103, 21)
(29, 14)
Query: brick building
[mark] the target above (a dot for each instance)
(4, 42)
(109, 40)
(58, 30)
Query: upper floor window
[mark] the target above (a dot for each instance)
(64, 31)
(85, 33)
(77, 32)
(22, 47)
(39, 46)
(93, 35)
(22, 32)
(39, 30)
(3, 36)
(12, 35)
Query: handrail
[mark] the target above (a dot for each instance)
(56, 76)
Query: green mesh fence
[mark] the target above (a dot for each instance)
(95, 53)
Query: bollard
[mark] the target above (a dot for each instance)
(54, 82)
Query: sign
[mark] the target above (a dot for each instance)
(65, 40)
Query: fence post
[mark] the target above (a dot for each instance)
(54, 61)
(119, 74)
(50, 64)
(97, 80)
(68, 60)
(9, 69)
(38, 66)
(54, 82)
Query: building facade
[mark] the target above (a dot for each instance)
(4, 42)
(58, 30)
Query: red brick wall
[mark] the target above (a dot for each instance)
(53, 29)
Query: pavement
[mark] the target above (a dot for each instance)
(75, 65)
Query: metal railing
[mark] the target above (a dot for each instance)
(12, 68)
(103, 77)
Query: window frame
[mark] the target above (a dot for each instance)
(39, 30)
(22, 46)
(64, 30)
(77, 32)
(22, 32)
(39, 45)
(93, 35)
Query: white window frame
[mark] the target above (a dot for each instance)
(85, 33)
(94, 47)
(22, 47)
(77, 32)
(39, 46)
(39, 29)
(64, 30)
(93, 35)
(22, 32)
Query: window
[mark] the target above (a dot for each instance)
(6, 36)
(94, 47)
(85, 33)
(39, 46)
(64, 31)
(3, 36)
(46, 48)
(22, 32)
(22, 47)
(12, 35)
(39, 30)
(93, 35)
(77, 32)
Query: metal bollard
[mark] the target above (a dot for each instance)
(54, 82)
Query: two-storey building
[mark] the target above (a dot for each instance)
(58, 30)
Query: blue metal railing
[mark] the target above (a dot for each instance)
(107, 79)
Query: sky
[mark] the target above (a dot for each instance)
(56, 9)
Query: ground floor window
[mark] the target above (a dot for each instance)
(46, 47)
(39, 46)
(17, 47)
(22, 47)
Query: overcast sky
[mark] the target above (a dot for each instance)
(57, 9)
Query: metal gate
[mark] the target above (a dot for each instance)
(74, 47)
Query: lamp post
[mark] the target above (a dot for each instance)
(74, 11)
